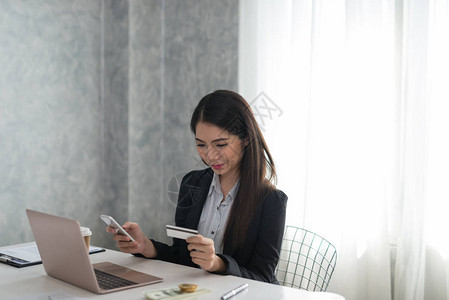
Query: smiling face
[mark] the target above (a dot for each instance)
(221, 150)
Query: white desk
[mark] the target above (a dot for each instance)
(24, 282)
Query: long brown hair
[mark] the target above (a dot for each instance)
(229, 111)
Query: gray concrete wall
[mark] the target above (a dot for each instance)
(95, 102)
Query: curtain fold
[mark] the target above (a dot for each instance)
(410, 264)
(353, 106)
(436, 281)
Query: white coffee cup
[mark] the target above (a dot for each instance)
(86, 235)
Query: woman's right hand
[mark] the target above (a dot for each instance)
(142, 244)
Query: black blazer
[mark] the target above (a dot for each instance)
(257, 258)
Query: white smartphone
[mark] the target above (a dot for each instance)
(113, 223)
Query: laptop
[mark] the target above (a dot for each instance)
(64, 257)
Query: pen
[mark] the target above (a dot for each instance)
(234, 292)
(5, 259)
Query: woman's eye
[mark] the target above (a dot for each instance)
(221, 145)
(200, 145)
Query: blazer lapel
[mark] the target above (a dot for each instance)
(198, 195)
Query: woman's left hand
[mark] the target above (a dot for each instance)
(202, 251)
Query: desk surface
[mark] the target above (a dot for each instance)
(18, 283)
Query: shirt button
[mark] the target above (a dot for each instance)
(212, 232)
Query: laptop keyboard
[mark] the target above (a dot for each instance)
(108, 281)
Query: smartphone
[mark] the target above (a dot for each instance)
(113, 223)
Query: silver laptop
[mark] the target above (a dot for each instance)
(64, 256)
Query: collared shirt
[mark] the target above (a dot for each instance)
(214, 216)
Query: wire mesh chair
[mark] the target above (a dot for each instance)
(306, 261)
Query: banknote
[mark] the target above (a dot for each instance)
(173, 294)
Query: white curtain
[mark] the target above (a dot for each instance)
(353, 99)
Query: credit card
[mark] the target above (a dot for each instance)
(180, 232)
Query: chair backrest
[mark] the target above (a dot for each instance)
(306, 261)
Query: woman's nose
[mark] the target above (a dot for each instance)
(211, 155)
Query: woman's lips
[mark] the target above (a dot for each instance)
(218, 167)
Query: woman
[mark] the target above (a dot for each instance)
(238, 212)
